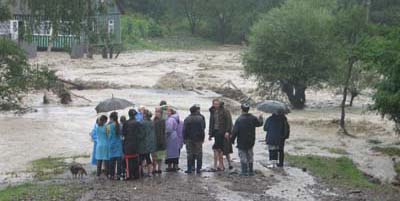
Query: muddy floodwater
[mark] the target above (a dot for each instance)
(57, 130)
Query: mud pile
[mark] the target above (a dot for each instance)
(175, 80)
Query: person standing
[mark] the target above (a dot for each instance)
(131, 131)
(244, 131)
(220, 129)
(278, 131)
(114, 133)
(93, 136)
(122, 121)
(174, 141)
(193, 135)
(149, 143)
(102, 146)
(159, 128)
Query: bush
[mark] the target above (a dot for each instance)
(135, 28)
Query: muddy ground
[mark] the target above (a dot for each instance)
(185, 78)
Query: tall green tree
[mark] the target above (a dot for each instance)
(383, 53)
(292, 45)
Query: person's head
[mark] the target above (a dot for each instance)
(245, 107)
(193, 110)
(102, 120)
(147, 114)
(171, 111)
(122, 119)
(216, 103)
(142, 109)
(114, 117)
(280, 112)
(163, 102)
(132, 113)
(158, 112)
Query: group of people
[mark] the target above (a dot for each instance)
(135, 147)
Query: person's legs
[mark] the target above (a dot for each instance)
(221, 160)
(228, 158)
(99, 165)
(243, 162)
(281, 156)
(119, 167)
(216, 156)
(123, 167)
(111, 168)
(135, 168)
(190, 157)
(155, 162)
(107, 167)
(199, 158)
(149, 165)
(250, 160)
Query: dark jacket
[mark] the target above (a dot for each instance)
(131, 131)
(193, 128)
(159, 128)
(245, 130)
(224, 119)
(277, 128)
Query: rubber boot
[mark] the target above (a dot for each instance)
(244, 171)
(251, 171)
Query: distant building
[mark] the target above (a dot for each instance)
(16, 28)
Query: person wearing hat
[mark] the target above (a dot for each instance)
(244, 130)
(193, 135)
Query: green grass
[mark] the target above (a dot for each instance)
(390, 151)
(45, 168)
(43, 192)
(179, 42)
(337, 171)
(339, 151)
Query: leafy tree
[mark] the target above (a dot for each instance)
(292, 45)
(383, 53)
(193, 10)
(4, 12)
(14, 71)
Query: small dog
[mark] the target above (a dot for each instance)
(77, 171)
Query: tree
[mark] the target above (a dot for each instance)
(193, 11)
(350, 27)
(4, 12)
(293, 45)
(14, 71)
(383, 53)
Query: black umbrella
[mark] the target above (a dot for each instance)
(271, 106)
(113, 104)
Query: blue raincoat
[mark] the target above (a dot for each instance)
(103, 143)
(115, 150)
(94, 138)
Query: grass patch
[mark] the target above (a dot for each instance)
(45, 168)
(390, 151)
(179, 42)
(373, 141)
(339, 151)
(43, 192)
(337, 171)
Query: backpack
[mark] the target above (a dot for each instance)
(286, 129)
